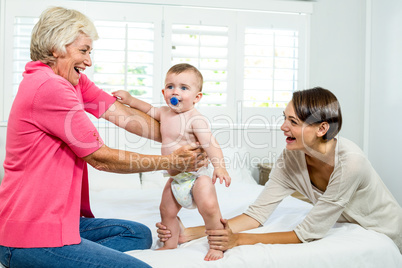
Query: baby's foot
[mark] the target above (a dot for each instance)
(213, 255)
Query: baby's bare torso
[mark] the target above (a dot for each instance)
(177, 129)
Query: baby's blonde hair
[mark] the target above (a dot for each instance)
(183, 67)
(58, 27)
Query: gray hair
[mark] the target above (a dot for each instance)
(58, 27)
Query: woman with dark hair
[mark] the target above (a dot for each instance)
(332, 172)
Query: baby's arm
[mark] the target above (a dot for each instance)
(204, 135)
(125, 98)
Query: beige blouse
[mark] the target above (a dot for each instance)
(355, 193)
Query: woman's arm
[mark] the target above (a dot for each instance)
(267, 238)
(186, 158)
(133, 121)
(239, 223)
(225, 239)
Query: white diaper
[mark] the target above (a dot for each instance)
(182, 186)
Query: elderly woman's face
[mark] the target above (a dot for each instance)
(75, 60)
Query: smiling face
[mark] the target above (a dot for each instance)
(185, 88)
(77, 58)
(299, 135)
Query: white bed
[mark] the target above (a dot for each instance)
(346, 245)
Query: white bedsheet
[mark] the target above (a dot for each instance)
(346, 245)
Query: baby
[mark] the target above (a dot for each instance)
(182, 124)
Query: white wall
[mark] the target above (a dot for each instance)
(338, 47)
(337, 58)
(385, 126)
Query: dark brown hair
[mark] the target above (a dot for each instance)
(183, 67)
(317, 105)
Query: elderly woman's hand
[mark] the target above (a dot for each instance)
(188, 158)
(222, 239)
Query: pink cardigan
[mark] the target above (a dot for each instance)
(45, 187)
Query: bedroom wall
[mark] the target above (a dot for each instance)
(338, 62)
(337, 58)
(386, 93)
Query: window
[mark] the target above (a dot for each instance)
(21, 52)
(251, 61)
(272, 63)
(205, 47)
(270, 67)
(123, 58)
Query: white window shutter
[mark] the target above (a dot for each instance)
(206, 48)
(270, 67)
(124, 58)
(21, 47)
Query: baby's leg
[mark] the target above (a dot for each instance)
(169, 208)
(204, 195)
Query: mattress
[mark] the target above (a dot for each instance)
(345, 245)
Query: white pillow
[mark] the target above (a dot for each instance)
(101, 180)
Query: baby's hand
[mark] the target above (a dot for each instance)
(223, 175)
(122, 96)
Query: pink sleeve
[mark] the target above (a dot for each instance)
(95, 99)
(58, 111)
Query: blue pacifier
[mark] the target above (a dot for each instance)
(174, 101)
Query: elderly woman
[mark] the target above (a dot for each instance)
(45, 217)
(333, 173)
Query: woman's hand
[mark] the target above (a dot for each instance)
(188, 158)
(222, 239)
(164, 234)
